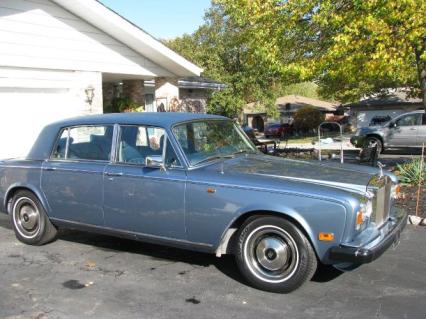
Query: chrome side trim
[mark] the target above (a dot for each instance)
(132, 235)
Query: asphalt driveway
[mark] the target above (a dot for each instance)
(89, 276)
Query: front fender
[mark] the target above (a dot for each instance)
(209, 216)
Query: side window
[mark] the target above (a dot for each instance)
(139, 142)
(424, 118)
(85, 142)
(409, 120)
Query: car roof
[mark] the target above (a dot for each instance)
(163, 119)
(45, 141)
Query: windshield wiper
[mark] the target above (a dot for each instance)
(244, 152)
(211, 158)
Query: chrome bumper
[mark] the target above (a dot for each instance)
(363, 255)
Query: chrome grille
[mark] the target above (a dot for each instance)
(382, 200)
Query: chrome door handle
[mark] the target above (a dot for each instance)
(49, 169)
(113, 174)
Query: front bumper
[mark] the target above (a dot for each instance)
(363, 255)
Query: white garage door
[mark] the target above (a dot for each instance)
(24, 112)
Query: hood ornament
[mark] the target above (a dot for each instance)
(380, 165)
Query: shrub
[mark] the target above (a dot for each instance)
(411, 173)
(308, 118)
(126, 104)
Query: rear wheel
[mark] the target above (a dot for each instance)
(274, 255)
(29, 220)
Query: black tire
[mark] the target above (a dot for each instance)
(371, 141)
(30, 221)
(274, 255)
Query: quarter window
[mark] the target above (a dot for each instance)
(85, 143)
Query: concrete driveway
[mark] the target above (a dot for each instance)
(90, 276)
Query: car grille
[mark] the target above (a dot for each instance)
(382, 200)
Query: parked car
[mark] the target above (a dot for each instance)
(278, 130)
(406, 130)
(196, 182)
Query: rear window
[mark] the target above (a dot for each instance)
(85, 143)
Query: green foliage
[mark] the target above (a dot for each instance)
(351, 48)
(307, 89)
(126, 104)
(412, 173)
(308, 118)
(218, 47)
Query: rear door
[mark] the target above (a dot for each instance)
(72, 179)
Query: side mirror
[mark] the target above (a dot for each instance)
(392, 125)
(155, 161)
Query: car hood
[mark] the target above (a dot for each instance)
(342, 176)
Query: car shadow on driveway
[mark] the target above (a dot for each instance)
(226, 264)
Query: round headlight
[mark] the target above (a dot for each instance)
(364, 213)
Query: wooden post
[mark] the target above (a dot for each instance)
(419, 187)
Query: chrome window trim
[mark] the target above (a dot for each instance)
(51, 159)
(166, 138)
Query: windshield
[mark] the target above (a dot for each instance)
(211, 139)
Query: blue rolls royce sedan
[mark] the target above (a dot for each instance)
(197, 182)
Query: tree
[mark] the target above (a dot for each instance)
(308, 118)
(350, 47)
(220, 49)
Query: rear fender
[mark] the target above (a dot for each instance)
(12, 188)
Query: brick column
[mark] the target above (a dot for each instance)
(134, 89)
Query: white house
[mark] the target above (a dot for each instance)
(380, 108)
(57, 55)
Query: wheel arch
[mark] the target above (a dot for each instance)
(229, 235)
(13, 189)
(378, 136)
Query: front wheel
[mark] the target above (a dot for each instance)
(274, 255)
(372, 141)
(30, 221)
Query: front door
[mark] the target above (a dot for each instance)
(72, 178)
(143, 199)
(404, 133)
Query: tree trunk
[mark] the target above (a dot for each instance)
(421, 71)
(423, 86)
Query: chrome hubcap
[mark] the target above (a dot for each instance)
(26, 217)
(271, 254)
